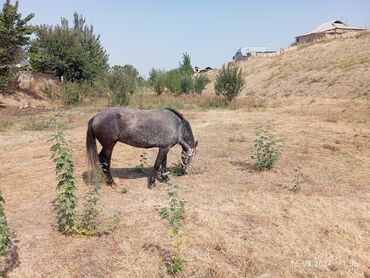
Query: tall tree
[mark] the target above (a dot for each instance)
(74, 53)
(14, 36)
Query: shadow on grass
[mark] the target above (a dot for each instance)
(125, 173)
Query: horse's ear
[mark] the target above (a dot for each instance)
(195, 144)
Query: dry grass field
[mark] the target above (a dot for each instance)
(239, 222)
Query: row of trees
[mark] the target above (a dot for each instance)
(76, 56)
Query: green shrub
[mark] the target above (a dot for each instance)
(267, 150)
(200, 82)
(4, 229)
(157, 80)
(173, 81)
(186, 84)
(229, 82)
(71, 93)
(67, 200)
(123, 81)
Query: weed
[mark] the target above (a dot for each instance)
(297, 181)
(174, 266)
(175, 215)
(5, 124)
(67, 200)
(142, 162)
(90, 212)
(177, 169)
(4, 229)
(42, 124)
(267, 150)
(124, 190)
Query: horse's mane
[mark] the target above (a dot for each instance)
(176, 113)
(187, 131)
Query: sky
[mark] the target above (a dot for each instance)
(149, 34)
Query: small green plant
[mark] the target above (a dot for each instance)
(142, 162)
(177, 169)
(229, 82)
(267, 150)
(4, 229)
(297, 181)
(124, 190)
(90, 211)
(67, 200)
(175, 216)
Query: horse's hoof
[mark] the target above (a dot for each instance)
(111, 183)
(151, 185)
(165, 178)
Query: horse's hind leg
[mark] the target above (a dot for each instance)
(105, 158)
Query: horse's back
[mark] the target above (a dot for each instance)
(140, 128)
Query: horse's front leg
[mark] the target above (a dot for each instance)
(164, 173)
(158, 162)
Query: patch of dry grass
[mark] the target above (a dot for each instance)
(239, 222)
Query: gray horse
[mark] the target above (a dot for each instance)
(158, 128)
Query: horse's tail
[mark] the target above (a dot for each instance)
(91, 151)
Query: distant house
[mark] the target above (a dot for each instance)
(248, 51)
(332, 28)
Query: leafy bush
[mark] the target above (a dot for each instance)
(71, 93)
(67, 200)
(200, 82)
(4, 229)
(229, 82)
(267, 150)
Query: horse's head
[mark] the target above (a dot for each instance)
(187, 157)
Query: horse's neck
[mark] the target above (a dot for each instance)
(187, 139)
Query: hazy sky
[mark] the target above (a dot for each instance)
(156, 33)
